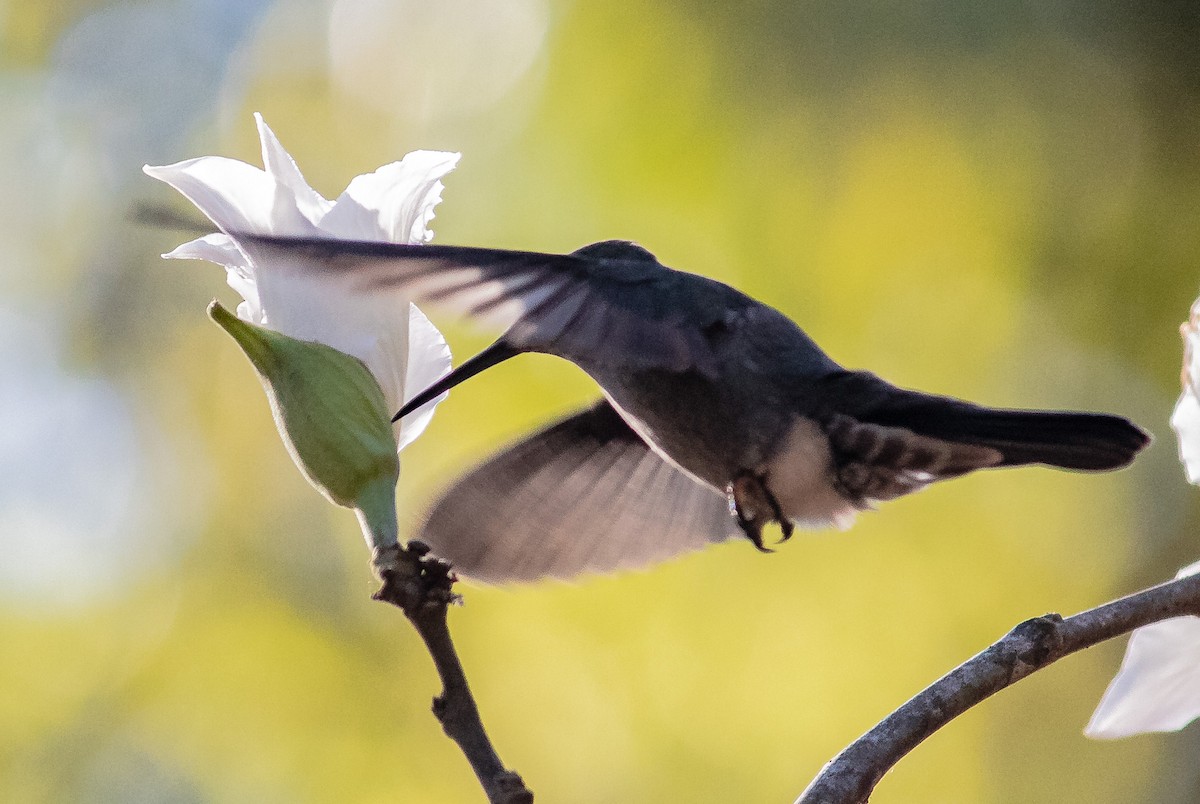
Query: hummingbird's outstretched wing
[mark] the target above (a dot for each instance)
(610, 298)
(583, 495)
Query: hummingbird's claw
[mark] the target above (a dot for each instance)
(753, 531)
(785, 524)
(748, 495)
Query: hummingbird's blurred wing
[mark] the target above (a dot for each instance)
(611, 298)
(583, 495)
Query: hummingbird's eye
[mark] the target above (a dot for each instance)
(717, 331)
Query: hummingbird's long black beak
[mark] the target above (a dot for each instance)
(498, 352)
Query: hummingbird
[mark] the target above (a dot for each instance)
(720, 416)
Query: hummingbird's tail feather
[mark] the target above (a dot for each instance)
(584, 495)
(1093, 442)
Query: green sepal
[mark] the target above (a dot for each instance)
(333, 418)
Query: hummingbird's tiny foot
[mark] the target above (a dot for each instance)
(785, 524)
(745, 494)
(753, 531)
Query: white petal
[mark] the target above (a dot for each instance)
(387, 315)
(1186, 423)
(251, 308)
(370, 326)
(1186, 418)
(1158, 686)
(394, 203)
(1191, 345)
(235, 196)
(283, 169)
(428, 361)
(216, 247)
(220, 248)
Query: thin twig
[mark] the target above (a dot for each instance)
(850, 777)
(421, 587)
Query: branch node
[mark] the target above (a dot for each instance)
(439, 708)
(1038, 640)
(413, 580)
(511, 789)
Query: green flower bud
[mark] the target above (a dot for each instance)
(332, 417)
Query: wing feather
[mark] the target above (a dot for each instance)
(583, 495)
(583, 306)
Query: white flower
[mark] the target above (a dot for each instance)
(403, 350)
(1158, 686)
(1186, 418)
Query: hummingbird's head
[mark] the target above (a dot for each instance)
(625, 250)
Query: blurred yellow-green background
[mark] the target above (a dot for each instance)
(992, 200)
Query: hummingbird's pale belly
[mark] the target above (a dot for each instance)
(800, 475)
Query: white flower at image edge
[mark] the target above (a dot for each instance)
(1186, 418)
(403, 350)
(1158, 685)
